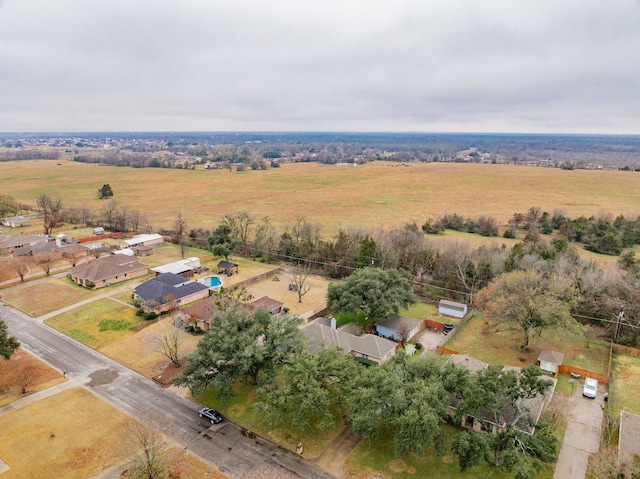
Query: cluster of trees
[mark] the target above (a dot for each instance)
(408, 398)
(439, 267)
(483, 224)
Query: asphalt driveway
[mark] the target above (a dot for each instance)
(582, 436)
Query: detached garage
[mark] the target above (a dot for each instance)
(451, 308)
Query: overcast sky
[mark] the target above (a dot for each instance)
(331, 65)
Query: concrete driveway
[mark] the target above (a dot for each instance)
(582, 436)
(429, 339)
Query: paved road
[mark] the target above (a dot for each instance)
(582, 436)
(225, 447)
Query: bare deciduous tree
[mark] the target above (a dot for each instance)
(25, 375)
(20, 266)
(180, 228)
(45, 262)
(170, 338)
(50, 209)
(151, 458)
(300, 279)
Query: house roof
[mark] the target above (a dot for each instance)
(452, 305)
(534, 405)
(226, 264)
(629, 438)
(167, 287)
(13, 241)
(139, 239)
(550, 356)
(206, 309)
(43, 247)
(472, 364)
(265, 302)
(73, 248)
(395, 322)
(319, 333)
(108, 267)
(177, 267)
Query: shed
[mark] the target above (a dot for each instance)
(451, 308)
(98, 231)
(550, 361)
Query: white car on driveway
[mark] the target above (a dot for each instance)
(590, 388)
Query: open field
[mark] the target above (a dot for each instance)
(85, 430)
(376, 194)
(99, 323)
(501, 345)
(378, 455)
(625, 388)
(26, 370)
(46, 296)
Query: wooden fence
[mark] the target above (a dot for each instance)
(258, 278)
(445, 351)
(601, 378)
(116, 235)
(618, 348)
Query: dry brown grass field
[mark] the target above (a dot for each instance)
(26, 370)
(377, 194)
(84, 431)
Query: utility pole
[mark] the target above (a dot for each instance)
(620, 318)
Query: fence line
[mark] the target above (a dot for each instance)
(618, 348)
(565, 369)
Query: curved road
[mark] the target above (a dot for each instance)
(224, 446)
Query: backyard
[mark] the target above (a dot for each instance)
(625, 384)
(498, 343)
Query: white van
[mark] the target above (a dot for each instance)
(590, 388)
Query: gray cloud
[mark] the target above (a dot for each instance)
(333, 65)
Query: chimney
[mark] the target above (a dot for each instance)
(333, 323)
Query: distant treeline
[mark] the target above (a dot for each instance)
(182, 150)
(30, 154)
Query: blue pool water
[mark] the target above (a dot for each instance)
(212, 281)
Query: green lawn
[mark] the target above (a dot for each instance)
(565, 387)
(99, 323)
(378, 455)
(241, 410)
(499, 343)
(625, 387)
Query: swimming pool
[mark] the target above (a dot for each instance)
(212, 282)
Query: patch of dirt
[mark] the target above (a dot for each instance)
(165, 378)
(411, 470)
(447, 459)
(377, 475)
(103, 376)
(397, 465)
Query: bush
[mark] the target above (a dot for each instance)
(197, 330)
(418, 346)
(149, 315)
(366, 362)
